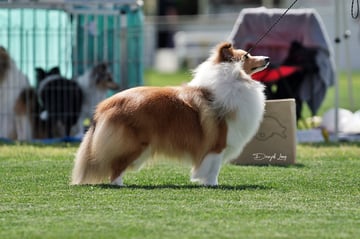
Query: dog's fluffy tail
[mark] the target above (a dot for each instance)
(88, 169)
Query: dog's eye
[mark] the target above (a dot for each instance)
(246, 56)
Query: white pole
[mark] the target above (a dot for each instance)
(347, 35)
(337, 50)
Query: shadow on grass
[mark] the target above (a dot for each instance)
(189, 186)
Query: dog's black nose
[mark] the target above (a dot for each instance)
(267, 59)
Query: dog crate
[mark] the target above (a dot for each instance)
(73, 36)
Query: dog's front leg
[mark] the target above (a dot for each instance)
(208, 171)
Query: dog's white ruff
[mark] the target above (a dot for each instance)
(240, 99)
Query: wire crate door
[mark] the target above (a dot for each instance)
(115, 39)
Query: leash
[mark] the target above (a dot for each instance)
(355, 13)
(270, 29)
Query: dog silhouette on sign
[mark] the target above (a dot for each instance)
(270, 127)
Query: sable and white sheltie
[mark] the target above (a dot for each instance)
(207, 121)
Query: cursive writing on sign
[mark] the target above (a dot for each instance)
(269, 157)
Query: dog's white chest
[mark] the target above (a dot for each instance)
(243, 124)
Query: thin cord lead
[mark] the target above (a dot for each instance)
(271, 27)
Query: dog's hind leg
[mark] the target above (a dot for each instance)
(133, 161)
(118, 181)
(208, 171)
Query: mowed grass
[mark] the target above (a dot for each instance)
(319, 197)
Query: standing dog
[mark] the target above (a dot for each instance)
(208, 121)
(61, 100)
(67, 103)
(14, 122)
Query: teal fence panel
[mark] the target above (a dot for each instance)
(117, 39)
(75, 41)
(37, 38)
(74, 36)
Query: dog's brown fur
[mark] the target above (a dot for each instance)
(127, 123)
(207, 121)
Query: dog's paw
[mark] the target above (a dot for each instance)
(118, 182)
(211, 182)
(205, 181)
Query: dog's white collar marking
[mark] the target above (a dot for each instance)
(227, 81)
(236, 95)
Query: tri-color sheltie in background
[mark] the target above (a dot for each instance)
(207, 121)
(14, 122)
(53, 108)
(61, 100)
(66, 103)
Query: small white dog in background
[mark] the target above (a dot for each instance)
(14, 121)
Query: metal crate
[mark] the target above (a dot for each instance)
(74, 36)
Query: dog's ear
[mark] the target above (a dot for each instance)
(54, 71)
(296, 45)
(104, 65)
(99, 71)
(224, 52)
(3, 51)
(4, 60)
(101, 67)
(40, 74)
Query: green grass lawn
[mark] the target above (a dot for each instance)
(319, 197)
